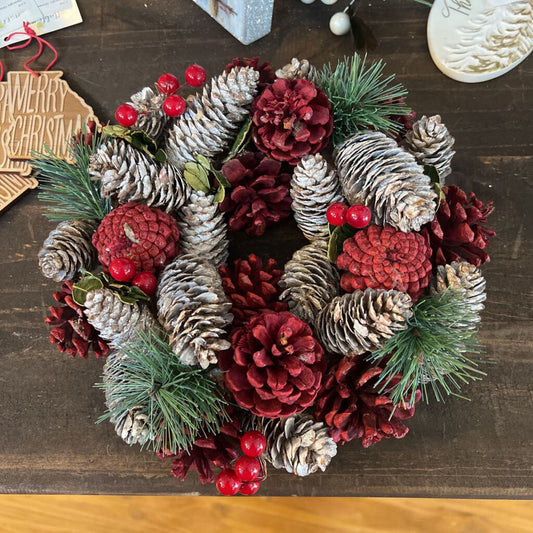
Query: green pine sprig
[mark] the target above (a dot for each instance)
(181, 402)
(430, 354)
(67, 188)
(361, 97)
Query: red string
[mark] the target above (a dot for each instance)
(30, 33)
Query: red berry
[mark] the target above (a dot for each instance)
(195, 75)
(122, 268)
(253, 443)
(336, 214)
(247, 468)
(174, 105)
(247, 489)
(227, 482)
(146, 281)
(168, 83)
(126, 115)
(358, 216)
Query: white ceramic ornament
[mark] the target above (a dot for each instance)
(329, 2)
(340, 24)
(478, 40)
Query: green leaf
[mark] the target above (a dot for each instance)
(221, 178)
(432, 172)
(336, 240)
(139, 139)
(130, 294)
(86, 284)
(241, 141)
(203, 161)
(219, 195)
(196, 176)
(160, 156)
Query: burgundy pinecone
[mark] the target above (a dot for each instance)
(385, 258)
(458, 231)
(207, 454)
(252, 287)
(275, 365)
(71, 332)
(146, 235)
(259, 193)
(350, 404)
(266, 76)
(291, 118)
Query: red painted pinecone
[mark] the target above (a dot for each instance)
(291, 118)
(71, 332)
(259, 195)
(207, 454)
(458, 231)
(144, 234)
(275, 366)
(385, 258)
(266, 76)
(252, 288)
(350, 404)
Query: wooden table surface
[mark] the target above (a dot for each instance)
(48, 405)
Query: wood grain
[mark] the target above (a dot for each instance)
(95, 514)
(48, 440)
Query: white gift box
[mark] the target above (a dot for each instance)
(245, 20)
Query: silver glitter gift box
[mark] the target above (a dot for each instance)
(245, 20)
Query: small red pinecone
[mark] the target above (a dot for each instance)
(146, 235)
(207, 453)
(291, 118)
(458, 231)
(275, 365)
(385, 258)
(266, 76)
(71, 332)
(259, 195)
(252, 288)
(350, 404)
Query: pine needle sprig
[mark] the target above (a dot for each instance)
(430, 353)
(66, 187)
(361, 97)
(181, 402)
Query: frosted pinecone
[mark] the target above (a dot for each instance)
(299, 444)
(374, 171)
(68, 249)
(193, 308)
(149, 106)
(298, 68)
(203, 230)
(115, 320)
(130, 176)
(212, 118)
(362, 321)
(431, 144)
(313, 189)
(309, 281)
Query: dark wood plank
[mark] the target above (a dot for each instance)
(48, 440)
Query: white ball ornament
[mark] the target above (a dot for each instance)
(329, 2)
(339, 23)
(307, 1)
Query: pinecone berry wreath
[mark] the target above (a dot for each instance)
(227, 366)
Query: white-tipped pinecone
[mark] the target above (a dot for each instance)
(297, 68)
(149, 105)
(375, 171)
(193, 308)
(129, 176)
(431, 144)
(362, 321)
(309, 281)
(212, 119)
(466, 279)
(299, 444)
(203, 230)
(68, 249)
(313, 189)
(115, 320)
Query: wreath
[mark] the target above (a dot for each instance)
(227, 367)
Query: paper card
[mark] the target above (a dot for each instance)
(44, 16)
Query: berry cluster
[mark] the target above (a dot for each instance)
(123, 269)
(174, 104)
(358, 216)
(247, 474)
